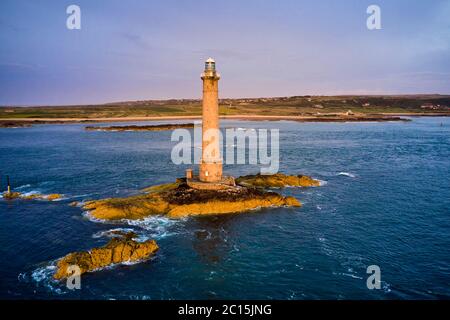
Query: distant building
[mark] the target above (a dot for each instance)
(429, 106)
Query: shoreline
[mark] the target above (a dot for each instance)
(26, 122)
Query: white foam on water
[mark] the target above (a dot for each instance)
(123, 263)
(346, 174)
(386, 287)
(43, 197)
(87, 215)
(154, 227)
(351, 275)
(23, 187)
(111, 233)
(79, 196)
(44, 276)
(31, 193)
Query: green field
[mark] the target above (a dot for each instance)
(279, 106)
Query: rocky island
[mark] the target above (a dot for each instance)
(118, 250)
(178, 199)
(210, 192)
(14, 124)
(175, 200)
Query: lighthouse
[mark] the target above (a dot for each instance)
(210, 169)
(210, 175)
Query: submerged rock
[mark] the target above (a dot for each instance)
(278, 180)
(11, 195)
(117, 250)
(49, 197)
(33, 196)
(177, 200)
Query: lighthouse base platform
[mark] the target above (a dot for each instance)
(226, 183)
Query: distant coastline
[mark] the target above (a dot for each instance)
(295, 108)
(27, 122)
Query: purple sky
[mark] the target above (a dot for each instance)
(133, 50)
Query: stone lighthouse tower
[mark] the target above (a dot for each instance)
(211, 161)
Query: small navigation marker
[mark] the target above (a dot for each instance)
(8, 190)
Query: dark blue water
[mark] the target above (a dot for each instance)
(385, 202)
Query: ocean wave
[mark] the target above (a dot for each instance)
(80, 196)
(322, 182)
(123, 263)
(23, 187)
(346, 174)
(155, 227)
(43, 276)
(345, 274)
(90, 217)
(31, 193)
(112, 233)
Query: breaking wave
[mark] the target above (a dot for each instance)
(43, 276)
(112, 233)
(346, 174)
(154, 227)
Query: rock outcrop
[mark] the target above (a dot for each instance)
(118, 250)
(32, 196)
(177, 200)
(11, 195)
(277, 180)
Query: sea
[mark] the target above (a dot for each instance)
(383, 203)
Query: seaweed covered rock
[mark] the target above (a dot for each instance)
(278, 180)
(37, 196)
(177, 200)
(11, 195)
(185, 201)
(117, 250)
(32, 196)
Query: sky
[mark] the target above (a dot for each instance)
(148, 49)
